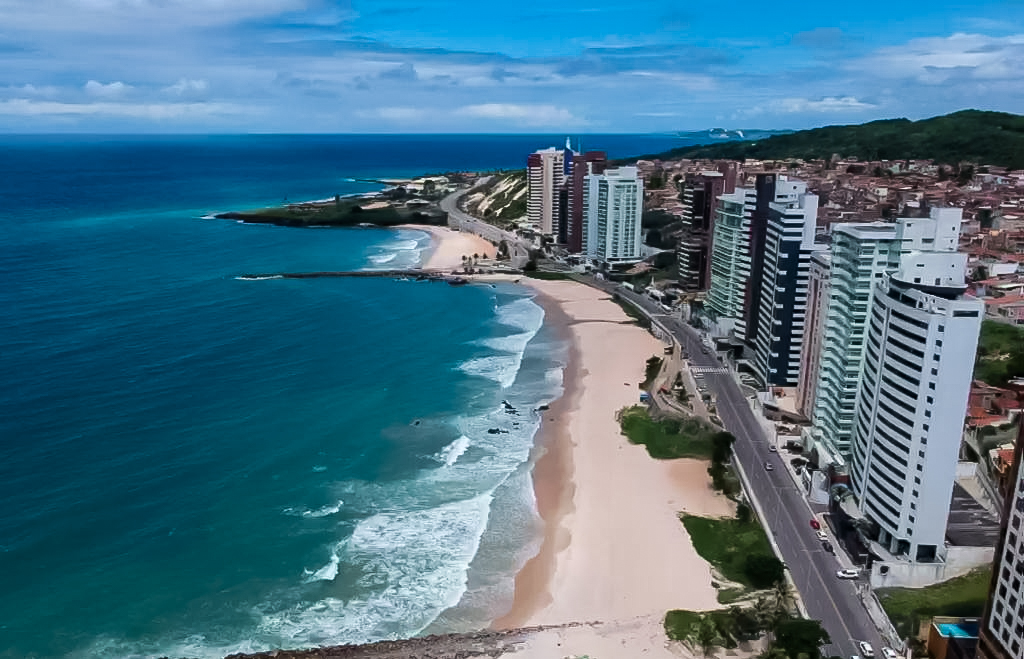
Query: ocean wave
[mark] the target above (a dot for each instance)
(327, 572)
(502, 369)
(319, 512)
(523, 314)
(413, 564)
(512, 343)
(381, 259)
(259, 278)
(449, 454)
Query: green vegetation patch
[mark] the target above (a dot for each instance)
(651, 370)
(1000, 353)
(730, 595)
(738, 549)
(667, 439)
(991, 138)
(631, 311)
(960, 597)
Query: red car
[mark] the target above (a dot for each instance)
(814, 524)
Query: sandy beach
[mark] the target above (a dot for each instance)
(450, 246)
(614, 549)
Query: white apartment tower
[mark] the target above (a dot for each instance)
(730, 260)
(1002, 628)
(789, 243)
(918, 361)
(546, 173)
(861, 255)
(613, 203)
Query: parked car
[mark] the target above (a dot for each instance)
(866, 649)
(772, 449)
(814, 524)
(849, 574)
(768, 466)
(827, 546)
(821, 535)
(889, 653)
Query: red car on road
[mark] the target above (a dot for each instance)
(814, 524)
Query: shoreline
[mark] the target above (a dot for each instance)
(613, 550)
(449, 246)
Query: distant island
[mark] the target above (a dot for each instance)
(990, 138)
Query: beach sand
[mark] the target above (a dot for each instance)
(450, 246)
(614, 550)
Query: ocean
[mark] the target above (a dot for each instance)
(192, 464)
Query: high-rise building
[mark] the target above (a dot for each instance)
(861, 255)
(613, 203)
(700, 193)
(547, 171)
(583, 164)
(1002, 627)
(818, 288)
(737, 253)
(789, 243)
(918, 362)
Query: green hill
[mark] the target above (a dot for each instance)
(988, 138)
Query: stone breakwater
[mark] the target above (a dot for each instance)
(446, 646)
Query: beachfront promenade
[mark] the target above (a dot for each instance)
(825, 597)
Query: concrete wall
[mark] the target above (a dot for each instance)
(959, 561)
(966, 469)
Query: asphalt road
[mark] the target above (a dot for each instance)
(519, 250)
(827, 598)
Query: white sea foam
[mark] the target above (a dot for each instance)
(327, 572)
(511, 343)
(319, 468)
(259, 278)
(319, 512)
(500, 368)
(449, 454)
(522, 313)
(414, 566)
(381, 259)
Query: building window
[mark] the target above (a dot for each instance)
(931, 385)
(925, 427)
(930, 400)
(917, 480)
(942, 328)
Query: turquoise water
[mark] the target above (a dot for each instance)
(193, 464)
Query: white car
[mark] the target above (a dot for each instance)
(768, 466)
(848, 574)
(821, 535)
(772, 449)
(889, 653)
(866, 649)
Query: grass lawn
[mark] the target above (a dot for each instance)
(668, 438)
(631, 311)
(963, 596)
(1000, 353)
(679, 624)
(730, 595)
(727, 543)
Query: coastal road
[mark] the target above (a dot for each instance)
(827, 598)
(519, 249)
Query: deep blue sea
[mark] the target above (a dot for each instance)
(193, 464)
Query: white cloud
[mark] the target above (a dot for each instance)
(184, 86)
(110, 90)
(396, 114)
(30, 90)
(829, 104)
(522, 115)
(28, 108)
(933, 60)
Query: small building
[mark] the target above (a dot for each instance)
(952, 638)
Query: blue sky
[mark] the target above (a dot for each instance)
(391, 66)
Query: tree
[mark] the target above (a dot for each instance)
(721, 446)
(707, 634)
(744, 623)
(763, 570)
(743, 513)
(798, 636)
